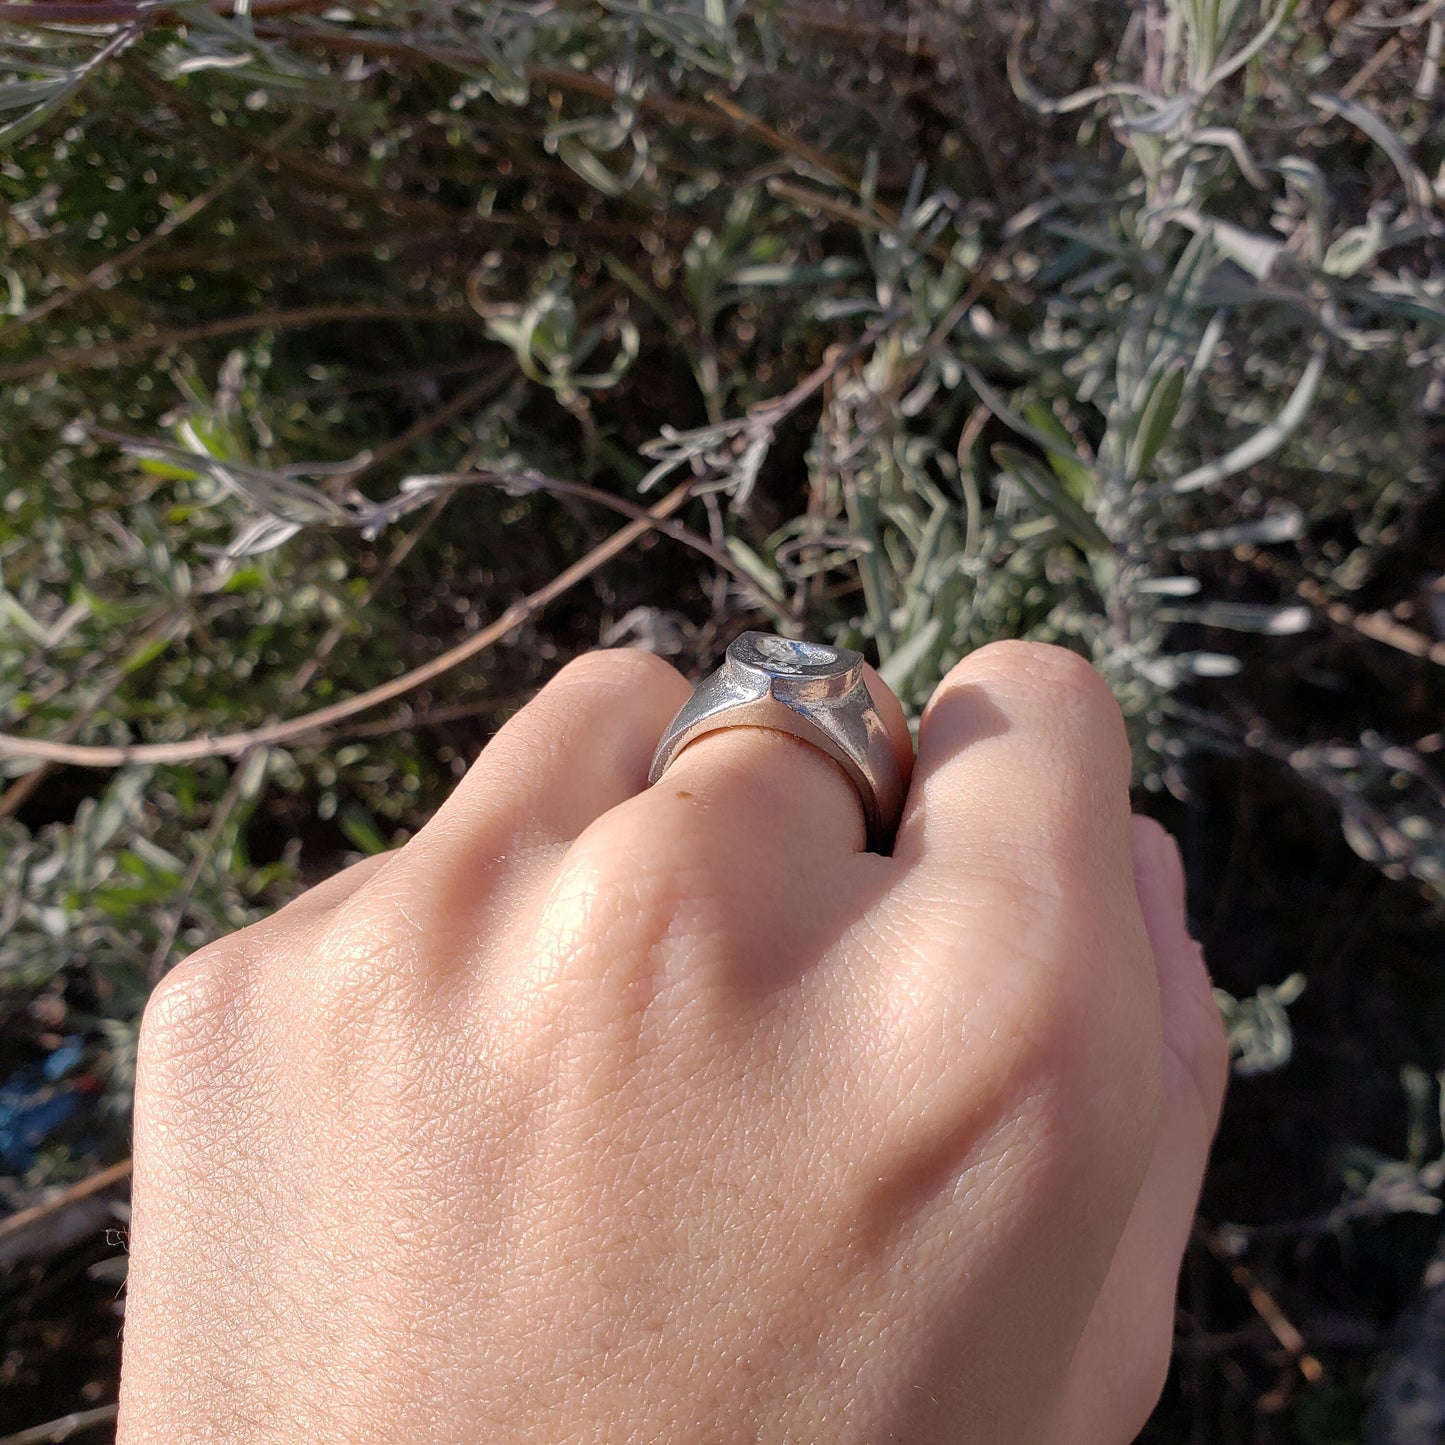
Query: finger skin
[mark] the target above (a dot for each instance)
(1022, 762)
(1016, 828)
(1123, 1357)
(581, 746)
(1014, 911)
(574, 752)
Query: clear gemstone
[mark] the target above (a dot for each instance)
(792, 656)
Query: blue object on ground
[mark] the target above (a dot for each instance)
(35, 1102)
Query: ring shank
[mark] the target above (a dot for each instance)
(822, 701)
(775, 716)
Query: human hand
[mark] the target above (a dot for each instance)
(606, 1113)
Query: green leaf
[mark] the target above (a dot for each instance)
(361, 830)
(145, 654)
(167, 471)
(1155, 421)
(586, 164)
(1045, 488)
(995, 402)
(1075, 473)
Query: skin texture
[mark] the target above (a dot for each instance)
(607, 1113)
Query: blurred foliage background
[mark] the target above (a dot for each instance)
(359, 363)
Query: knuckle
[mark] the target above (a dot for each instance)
(348, 980)
(635, 877)
(191, 1017)
(616, 865)
(588, 693)
(353, 969)
(614, 667)
(1058, 674)
(1064, 708)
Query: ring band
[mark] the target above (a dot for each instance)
(816, 693)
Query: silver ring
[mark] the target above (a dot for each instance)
(814, 692)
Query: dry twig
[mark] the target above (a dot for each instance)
(231, 744)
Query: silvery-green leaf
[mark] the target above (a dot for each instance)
(194, 64)
(18, 93)
(1274, 621)
(22, 125)
(758, 570)
(265, 534)
(1287, 524)
(899, 667)
(1246, 53)
(1210, 664)
(1161, 119)
(1168, 586)
(1351, 252)
(1248, 250)
(1268, 439)
(1037, 100)
(1226, 138)
(1417, 187)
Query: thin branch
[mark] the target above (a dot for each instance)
(18, 793)
(81, 1189)
(1267, 1308)
(101, 12)
(230, 744)
(298, 684)
(14, 797)
(539, 481)
(787, 145)
(1377, 626)
(483, 389)
(64, 1427)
